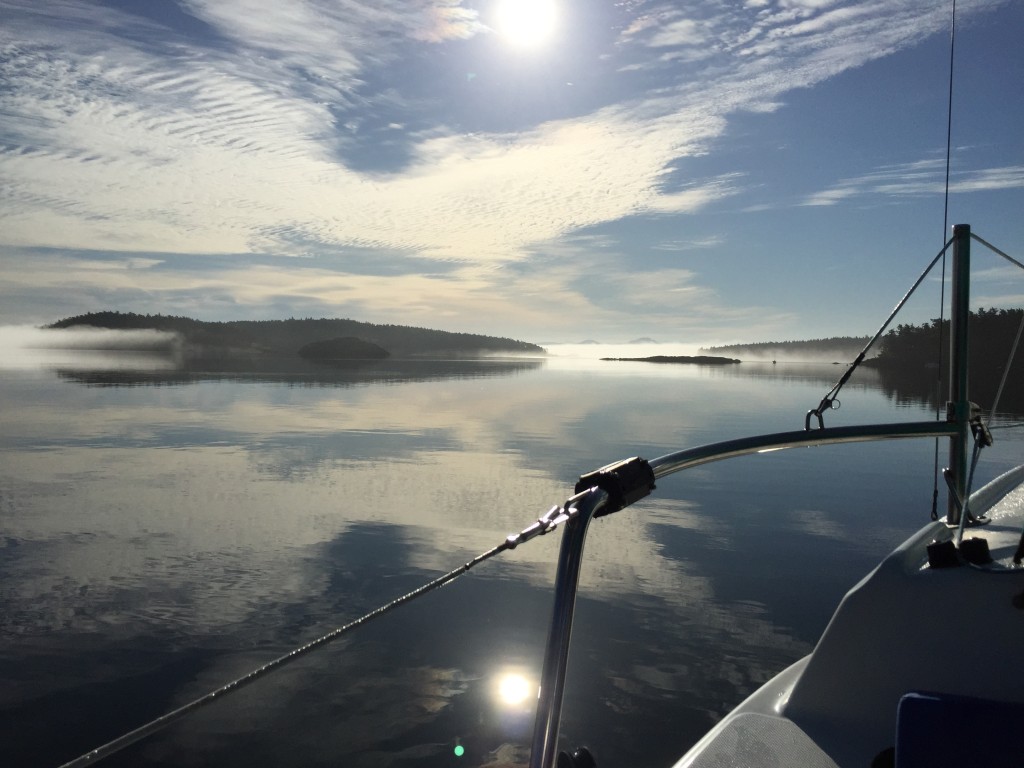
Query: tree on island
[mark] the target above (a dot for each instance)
(831, 349)
(914, 358)
(286, 337)
(991, 333)
(344, 348)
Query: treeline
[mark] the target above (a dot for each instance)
(909, 360)
(991, 333)
(288, 336)
(837, 348)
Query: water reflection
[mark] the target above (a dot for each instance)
(160, 540)
(513, 689)
(298, 373)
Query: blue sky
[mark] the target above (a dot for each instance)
(696, 172)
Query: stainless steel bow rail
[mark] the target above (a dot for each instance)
(960, 425)
(619, 485)
(598, 493)
(626, 481)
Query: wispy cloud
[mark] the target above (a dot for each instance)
(223, 164)
(926, 177)
(695, 244)
(593, 283)
(238, 128)
(210, 149)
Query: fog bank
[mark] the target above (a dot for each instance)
(25, 347)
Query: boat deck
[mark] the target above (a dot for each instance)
(906, 627)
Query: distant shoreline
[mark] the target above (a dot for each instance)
(685, 359)
(325, 339)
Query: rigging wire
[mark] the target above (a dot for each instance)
(995, 250)
(544, 524)
(1008, 425)
(965, 512)
(942, 282)
(829, 400)
(1020, 328)
(949, 118)
(1006, 370)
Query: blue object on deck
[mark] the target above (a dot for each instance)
(937, 730)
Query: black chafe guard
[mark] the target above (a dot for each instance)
(625, 482)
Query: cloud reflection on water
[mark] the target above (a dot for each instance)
(209, 520)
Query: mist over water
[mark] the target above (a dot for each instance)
(33, 348)
(597, 351)
(816, 356)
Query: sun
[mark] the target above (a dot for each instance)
(526, 23)
(513, 689)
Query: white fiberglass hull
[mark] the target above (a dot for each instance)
(906, 627)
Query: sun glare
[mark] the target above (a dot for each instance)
(513, 689)
(526, 22)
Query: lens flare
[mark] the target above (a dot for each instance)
(513, 689)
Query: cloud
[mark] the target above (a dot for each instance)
(236, 128)
(694, 244)
(223, 165)
(447, 20)
(333, 41)
(220, 151)
(926, 177)
(682, 32)
(574, 287)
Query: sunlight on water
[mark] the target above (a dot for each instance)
(164, 537)
(565, 354)
(513, 688)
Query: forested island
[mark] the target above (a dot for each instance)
(911, 359)
(908, 350)
(310, 339)
(837, 348)
(991, 334)
(907, 358)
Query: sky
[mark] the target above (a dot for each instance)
(708, 171)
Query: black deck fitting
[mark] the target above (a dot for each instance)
(625, 482)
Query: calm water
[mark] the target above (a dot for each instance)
(163, 533)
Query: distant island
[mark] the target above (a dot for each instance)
(692, 360)
(911, 358)
(317, 340)
(837, 348)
